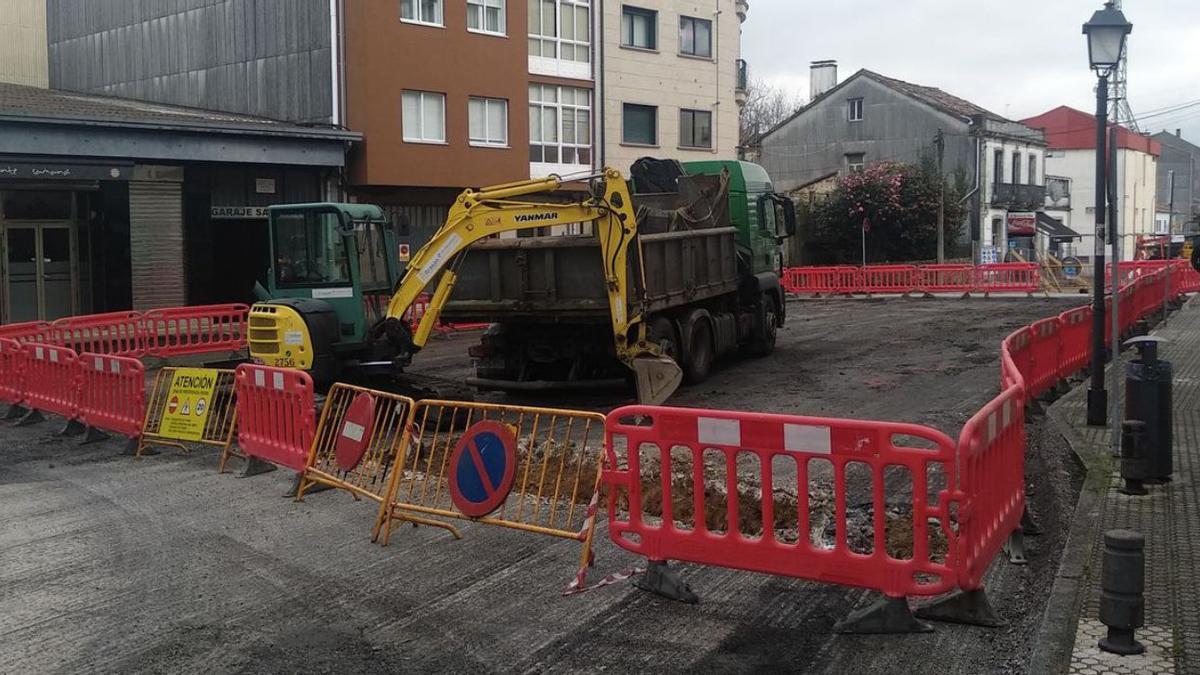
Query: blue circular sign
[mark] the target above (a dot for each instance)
(482, 468)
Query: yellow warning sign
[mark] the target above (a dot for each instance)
(188, 403)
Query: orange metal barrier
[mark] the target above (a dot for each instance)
(51, 379)
(991, 465)
(356, 442)
(179, 331)
(112, 394)
(705, 486)
(275, 412)
(890, 278)
(117, 333)
(526, 468)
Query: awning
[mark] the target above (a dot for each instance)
(1054, 228)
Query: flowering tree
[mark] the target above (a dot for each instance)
(899, 205)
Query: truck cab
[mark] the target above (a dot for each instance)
(332, 268)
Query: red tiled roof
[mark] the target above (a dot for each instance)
(1070, 129)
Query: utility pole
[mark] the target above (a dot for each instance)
(1170, 210)
(940, 142)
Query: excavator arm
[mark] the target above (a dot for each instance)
(476, 215)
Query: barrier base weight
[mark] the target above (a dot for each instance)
(31, 417)
(314, 487)
(255, 466)
(92, 435)
(969, 607)
(73, 428)
(15, 412)
(886, 615)
(1029, 524)
(1015, 547)
(662, 580)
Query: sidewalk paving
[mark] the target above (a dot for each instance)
(1169, 517)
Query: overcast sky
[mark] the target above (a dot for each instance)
(1017, 58)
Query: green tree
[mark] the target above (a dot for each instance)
(900, 204)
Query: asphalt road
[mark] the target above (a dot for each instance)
(111, 564)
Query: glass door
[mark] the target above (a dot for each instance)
(40, 277)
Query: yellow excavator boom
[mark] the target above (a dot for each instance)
(477, 215)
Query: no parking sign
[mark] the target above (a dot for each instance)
(482, 468)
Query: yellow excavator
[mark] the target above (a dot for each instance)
(329, 261)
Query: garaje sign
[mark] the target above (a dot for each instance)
(188, 403)
(237, 212)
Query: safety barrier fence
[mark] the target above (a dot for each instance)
(12, 372)
(417, 310)
(175, 331)
(904, 279)
(51, 379)
(276, 415)
(111, 394)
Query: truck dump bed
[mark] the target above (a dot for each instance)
(688, 246)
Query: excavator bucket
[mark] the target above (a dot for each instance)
(657, 378)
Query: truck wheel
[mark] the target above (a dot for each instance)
(763, 341)
(661, 331)
(699, 358)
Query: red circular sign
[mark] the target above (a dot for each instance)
(482, 468)
(173, 405)
(354, 432)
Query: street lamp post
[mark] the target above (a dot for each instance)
(1106, 32)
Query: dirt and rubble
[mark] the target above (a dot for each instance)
(110, 564)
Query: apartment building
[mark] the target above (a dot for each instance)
(670, 79)
(1071, 163)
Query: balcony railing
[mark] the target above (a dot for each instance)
(743, 75)
(1018, 197)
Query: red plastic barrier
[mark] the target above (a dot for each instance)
(1016, 359)
(112, 393)
(835, 279)
(1075, 347)
(275, 413)
(1044, 356)
(1008, 278)
(117, 333)
(890, 278)
(30, 331)
(178, 331)
(12, 371)
(947, 278)
(785, 449)
(51, 379)
(991, 465)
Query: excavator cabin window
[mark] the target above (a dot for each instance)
(372, 255)
(310, 250)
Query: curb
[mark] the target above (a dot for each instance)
(1056, 636)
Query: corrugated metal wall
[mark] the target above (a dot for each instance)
(23, 42)
(156, 244)
(260, 57)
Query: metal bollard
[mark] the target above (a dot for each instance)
(1134, 460)
(1122, 582)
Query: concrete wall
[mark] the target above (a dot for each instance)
(671, 81)
(894, 127)
(259, 57)
(23, 42)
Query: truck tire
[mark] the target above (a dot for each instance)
(697, 362)
(661, 331)
(765, 327)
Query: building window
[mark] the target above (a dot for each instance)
(560, 29)
(695, 36)
(854, 109)
(639, 124)
(695, 128)
(855, 161)
(560, 125)
(424, 117)
(1016, 172)
(488, 121)
(1033, 170)
(998, 166)
(486, 16)
(428, 12)
(639, 27)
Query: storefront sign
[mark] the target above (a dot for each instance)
(55, 171)
(237, 212)
(1022, 223)
(264, 186)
